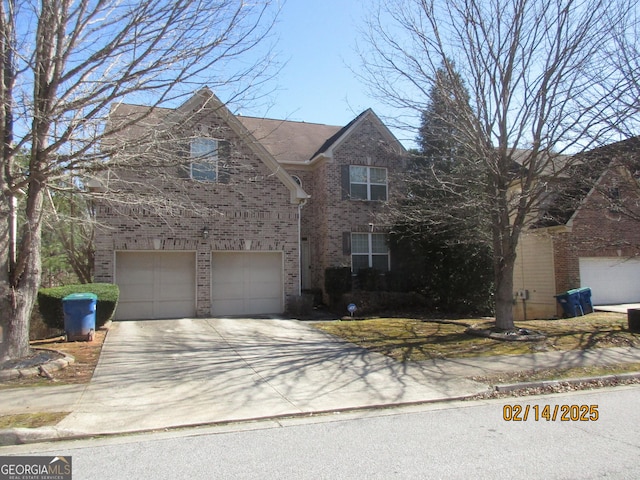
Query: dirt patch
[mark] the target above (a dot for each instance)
(558, 387)
(86, 355)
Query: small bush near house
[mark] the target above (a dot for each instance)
(316, 293)
(337, 281)
(50, 302)
(300, 305)
(372, 280)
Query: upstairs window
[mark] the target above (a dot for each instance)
(204, 159)
(368, 183)
(369, 250)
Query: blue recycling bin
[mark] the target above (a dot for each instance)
(80, 316)
(585, 300)
(570, 303)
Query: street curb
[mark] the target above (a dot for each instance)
(510, 387)
(24, 436)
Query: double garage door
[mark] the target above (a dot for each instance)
(163, 284)
(612, 280)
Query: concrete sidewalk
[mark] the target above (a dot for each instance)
(163, 374)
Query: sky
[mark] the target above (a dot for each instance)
(317, 43)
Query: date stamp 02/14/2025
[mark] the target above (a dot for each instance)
(550, 413)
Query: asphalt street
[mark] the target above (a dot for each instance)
(448, 440)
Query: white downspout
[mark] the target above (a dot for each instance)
(300, 205)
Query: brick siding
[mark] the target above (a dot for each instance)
(253, 205)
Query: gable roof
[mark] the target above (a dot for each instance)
(300, 143)
(327, 148)
(582, 177)
(204, 98)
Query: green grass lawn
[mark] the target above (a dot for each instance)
(410, 339)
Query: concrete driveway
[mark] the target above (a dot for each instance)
(168, 373)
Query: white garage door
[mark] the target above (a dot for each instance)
(155, 285)
(612, 280)
(246, 283)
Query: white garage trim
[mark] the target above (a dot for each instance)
(612, 280)
(155, 284)
(247, 283)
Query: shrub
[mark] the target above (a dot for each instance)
(455, 277)
(300, 305)
(372, 280)
(337, 281)
(50, 302)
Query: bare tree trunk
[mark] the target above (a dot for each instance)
(504, 293)
(20, 286)
(5, 291)
(16, 306)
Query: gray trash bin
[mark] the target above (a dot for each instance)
(80, 316)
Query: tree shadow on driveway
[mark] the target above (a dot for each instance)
(161, 373)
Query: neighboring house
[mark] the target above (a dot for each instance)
(232, 215)
(587, 235)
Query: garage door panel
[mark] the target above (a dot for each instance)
(225, 306)
(136, 274)
(264, 289)
(130, 310)
(182, 295)
(228, 291)
(264, 276)
(246, 283)
(260, 306)
(612, 280)
(175, 278)
(174, 308)
(155, 285)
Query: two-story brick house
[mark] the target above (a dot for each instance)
(230, 215)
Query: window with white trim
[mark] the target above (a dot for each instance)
(204, 159)
(369, 250)
(367, 183)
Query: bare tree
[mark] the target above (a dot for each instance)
(71, 223)
(529, 67)
(621, 80)
(64, 64)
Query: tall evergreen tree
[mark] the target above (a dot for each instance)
(439, 137)
(441, 239)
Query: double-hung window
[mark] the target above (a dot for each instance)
(204, 159)
(368, 183)
(369, 250)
